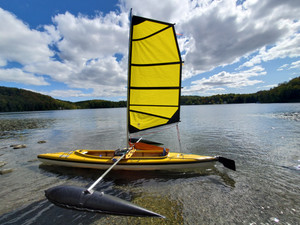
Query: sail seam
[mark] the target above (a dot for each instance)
(139, 39)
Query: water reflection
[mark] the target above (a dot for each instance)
(124, 177)
(40, 212)
(263, 139)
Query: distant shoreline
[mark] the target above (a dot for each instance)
(18, 100)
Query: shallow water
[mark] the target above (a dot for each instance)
(263, 139)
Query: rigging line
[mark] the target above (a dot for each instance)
(139, 39)
(178, 136)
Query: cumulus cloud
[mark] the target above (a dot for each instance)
(90, 52)
(83, 38)
(223, 33)
(219, 33)
(19, 76)
(218, 82)
(289, 47)
(66, 93)
(86, 49)
(18, 43)
(169, 10)
(79, 51)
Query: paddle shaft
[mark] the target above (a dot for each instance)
(90, 189)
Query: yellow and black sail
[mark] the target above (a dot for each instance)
(154, 75)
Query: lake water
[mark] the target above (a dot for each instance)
(263, 139)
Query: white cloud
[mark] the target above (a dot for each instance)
(218, 33)
(19, 76)
(80, 50)
(66, 93)
(167, 10)
(283, 67)
(83, 38)
(218, 82)
(293, 65)
(83, 55)
(267, 87)
(18, 43)
(99, 91)
(86, 51)
(225, 33)
(289, 47)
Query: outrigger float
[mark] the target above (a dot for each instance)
(153, 100)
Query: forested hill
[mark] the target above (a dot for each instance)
(14, 99)
(283, 93)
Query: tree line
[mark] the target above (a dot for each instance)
(14, 99)
(283, 93)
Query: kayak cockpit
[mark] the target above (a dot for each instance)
(141, 150)
(109, 154)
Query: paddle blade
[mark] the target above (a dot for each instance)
(228, 163)
(72, 197)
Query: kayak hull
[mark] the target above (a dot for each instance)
(103, 159)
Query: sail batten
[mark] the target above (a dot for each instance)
(150, 35)
(162, 117)
(154, 87)
(156, 64)
(154, 75)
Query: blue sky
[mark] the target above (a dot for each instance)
(77, 50)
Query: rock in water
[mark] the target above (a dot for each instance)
(18, 146)
(5, 171)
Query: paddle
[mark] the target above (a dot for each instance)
(228, 163)
(93, 201)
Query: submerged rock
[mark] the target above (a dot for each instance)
(5, 171)
(18, 146)
(32, 160)
(2, 163)
(41, 142)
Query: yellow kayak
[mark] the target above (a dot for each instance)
(144, 157)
